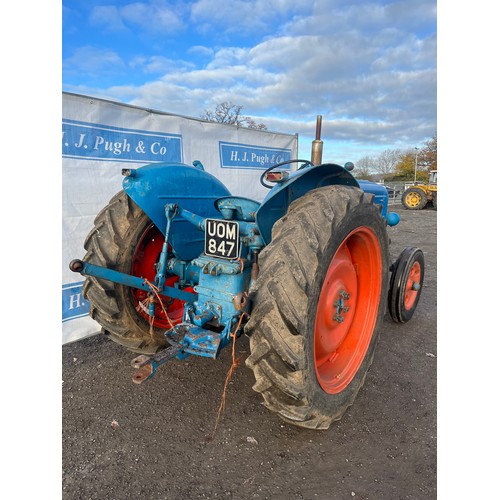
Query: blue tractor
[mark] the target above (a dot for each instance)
(177, 266)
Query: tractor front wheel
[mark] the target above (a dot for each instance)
(125, 239)
(406, 284)
(318, 304)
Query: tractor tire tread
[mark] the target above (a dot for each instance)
(276, 327)
(104, 244)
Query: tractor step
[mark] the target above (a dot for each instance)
(197, 340)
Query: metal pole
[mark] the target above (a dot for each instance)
(416, 156)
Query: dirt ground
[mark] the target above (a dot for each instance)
(155, 441)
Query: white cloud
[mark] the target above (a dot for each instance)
(159, 65)
(243, 16)
(153, 16)
(107, 16)
(228, 56)
(201, 50)
(93, 61)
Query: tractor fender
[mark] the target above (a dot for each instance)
(300, 182)
(153, 186)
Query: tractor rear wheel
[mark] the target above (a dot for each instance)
(318, 304)
(414, 199)
(125, 239)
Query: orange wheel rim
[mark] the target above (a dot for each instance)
(347, 309)
(412, 286)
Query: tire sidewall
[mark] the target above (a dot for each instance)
(362, 215)
(408, 258)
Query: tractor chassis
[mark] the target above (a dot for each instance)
(220, 298)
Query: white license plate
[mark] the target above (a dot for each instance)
(222, 238)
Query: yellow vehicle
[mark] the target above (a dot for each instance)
(418, 195)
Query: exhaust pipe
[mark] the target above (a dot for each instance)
(317, 144)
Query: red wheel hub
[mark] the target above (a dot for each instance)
(412, 285)
(145, 257)
(347, 309)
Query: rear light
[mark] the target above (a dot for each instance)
(276, 176)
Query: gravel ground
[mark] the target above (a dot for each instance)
(157, 440)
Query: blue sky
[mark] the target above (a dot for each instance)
(369, 67)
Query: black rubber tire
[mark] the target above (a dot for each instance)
(415, 191)
(285, 298)
(435, 200)
(112, 243)
(399, 278)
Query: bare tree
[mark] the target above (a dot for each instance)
(252, 124)
(229, 113)
(364, 168)
(387, 160)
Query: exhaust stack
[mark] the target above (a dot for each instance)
(317, 144)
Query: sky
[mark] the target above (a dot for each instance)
(367, 67)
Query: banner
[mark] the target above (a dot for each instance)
(100, 137)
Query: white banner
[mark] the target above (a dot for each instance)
(99, 137)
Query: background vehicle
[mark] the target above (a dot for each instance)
(177, 266)
(418, 195)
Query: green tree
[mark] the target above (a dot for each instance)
(229, 113)
(405, 168)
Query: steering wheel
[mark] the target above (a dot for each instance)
(305, 163)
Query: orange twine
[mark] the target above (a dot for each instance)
(234, 364)
(155, 290)
(242, 263)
